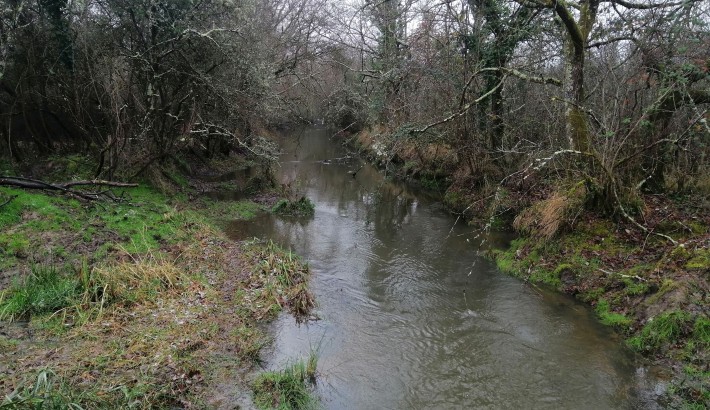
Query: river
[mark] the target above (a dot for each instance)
(411, 317)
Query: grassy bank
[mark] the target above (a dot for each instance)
(650, 290)
(651, 286)
(136, 303)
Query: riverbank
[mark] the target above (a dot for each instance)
(140, 301)
(652, 289)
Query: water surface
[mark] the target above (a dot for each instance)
(413, 318)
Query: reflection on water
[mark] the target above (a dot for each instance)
(412, 318)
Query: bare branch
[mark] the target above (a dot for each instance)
(461, 112)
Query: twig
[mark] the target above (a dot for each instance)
(637, 277)
(8, 201)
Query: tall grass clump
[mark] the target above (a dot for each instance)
(284, 278)
(137, 279)
(47, 289)
(288, 389)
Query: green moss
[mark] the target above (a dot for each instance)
(666, 286)
(610, 318)
(505, 260)
(176, 177)
(7, 344)
(242, 209)
(634, 287)
(455, 200)
(699, 259)
(697, 228)
(679, 253)
(431, 182)
(547, 277)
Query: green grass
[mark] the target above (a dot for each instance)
(610, 318)
(48, 391)
(232, 210)
(44, 393)
(661, 331)
(701, 332)
(46, 290)
(301, 207)
(699, 259)
(287, 389)
(283, 280)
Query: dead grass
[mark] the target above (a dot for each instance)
(138, 278)
(169, 327)
(547, 218)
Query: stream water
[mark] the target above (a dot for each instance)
(411, 317)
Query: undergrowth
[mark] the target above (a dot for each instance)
(144, 296)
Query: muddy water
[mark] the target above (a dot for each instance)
(413, 318)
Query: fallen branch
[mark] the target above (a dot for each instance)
(65, 187)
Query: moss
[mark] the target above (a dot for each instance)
(455, 200)
(699, 259)
(7, 344)
(609, 318)
(634, 288)
(697, 228)
(231, 210)
(504, 261)
(666, 286)
(679, 253)
(551, 278)
(592, 295)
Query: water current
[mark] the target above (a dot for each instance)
(412, 317)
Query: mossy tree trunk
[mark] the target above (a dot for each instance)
(576, 39)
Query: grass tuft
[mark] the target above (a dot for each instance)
(301, 207)
(610, 318)
(287, 389)
(136, 279)
(45, 290)
(661, 331)
(282, 281)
